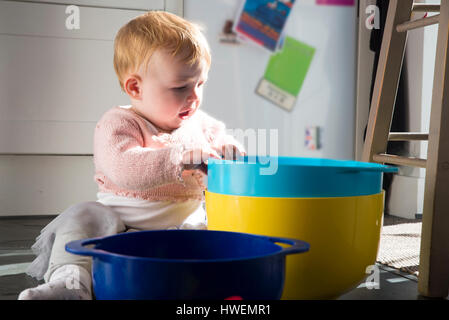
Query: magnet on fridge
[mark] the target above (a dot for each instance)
(312, 138)
(285, 73)
(227, 35)
(262, 22)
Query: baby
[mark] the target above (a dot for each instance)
(150, 157)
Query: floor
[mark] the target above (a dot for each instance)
(16, 237)
(17, 234)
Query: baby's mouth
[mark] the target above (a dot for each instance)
(184, 115)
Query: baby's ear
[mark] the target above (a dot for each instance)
(132, 86)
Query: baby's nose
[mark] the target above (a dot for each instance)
(194, 94)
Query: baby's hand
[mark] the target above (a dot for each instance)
(231, 152)
(197, 159)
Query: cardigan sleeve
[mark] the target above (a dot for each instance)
(120, 154)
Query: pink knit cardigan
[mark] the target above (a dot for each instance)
(133, 158)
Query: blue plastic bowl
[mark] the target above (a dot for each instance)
(187, 264)
(290, 177)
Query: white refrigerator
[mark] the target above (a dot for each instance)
(327, 98)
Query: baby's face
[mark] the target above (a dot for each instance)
(171, 90)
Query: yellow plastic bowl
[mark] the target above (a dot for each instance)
(343, 234)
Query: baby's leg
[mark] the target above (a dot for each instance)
(196, 220)
(69, 282)
(68, 275)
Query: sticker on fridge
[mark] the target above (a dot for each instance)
(262, 21)
(312, 138)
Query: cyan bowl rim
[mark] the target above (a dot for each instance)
(295, 198)
(305, 162)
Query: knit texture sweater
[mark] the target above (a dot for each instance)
(133, 158)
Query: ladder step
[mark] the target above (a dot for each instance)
(398, 160)
(410, 25)
(424, 7)
(407, 136)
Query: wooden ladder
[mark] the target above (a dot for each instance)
(433, 279)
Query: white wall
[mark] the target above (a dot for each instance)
(327, 98)
(44, 185)
(56, 88)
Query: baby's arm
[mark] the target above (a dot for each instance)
(119, 154)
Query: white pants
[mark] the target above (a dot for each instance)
(147, 215)
(95, 219)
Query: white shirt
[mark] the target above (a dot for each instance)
(156, 215)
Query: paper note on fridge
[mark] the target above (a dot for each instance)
(262, 21)
(286, 72)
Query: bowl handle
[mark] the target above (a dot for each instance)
(297, 246)
(78, 247)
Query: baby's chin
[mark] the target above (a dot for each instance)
(180, 119)
(177, 123)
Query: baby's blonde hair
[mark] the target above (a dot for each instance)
(137, 40)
